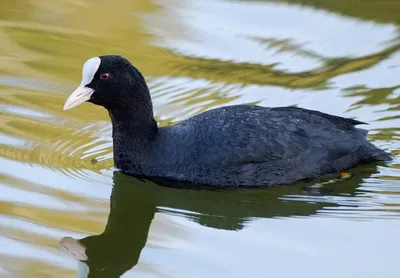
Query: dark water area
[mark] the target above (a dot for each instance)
(56, 170)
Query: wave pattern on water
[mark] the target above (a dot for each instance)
(56, 174)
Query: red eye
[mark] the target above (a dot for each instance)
(104, 76)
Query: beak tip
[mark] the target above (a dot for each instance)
(65, 107)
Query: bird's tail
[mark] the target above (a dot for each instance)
(369, 153)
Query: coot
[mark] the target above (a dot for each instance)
(232, 146)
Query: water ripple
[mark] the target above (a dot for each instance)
(56, 174)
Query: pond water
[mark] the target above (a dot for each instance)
(56, 168)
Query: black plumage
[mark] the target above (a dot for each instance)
(238, 145)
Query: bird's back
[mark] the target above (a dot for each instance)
(253, 145)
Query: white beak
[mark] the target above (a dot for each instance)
(79, 96)
(83, 93)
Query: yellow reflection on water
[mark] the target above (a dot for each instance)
(43, 45)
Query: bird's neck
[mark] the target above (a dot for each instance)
(133, 130)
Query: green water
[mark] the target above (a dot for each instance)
(56, 168)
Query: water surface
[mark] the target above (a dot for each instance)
(57, 176)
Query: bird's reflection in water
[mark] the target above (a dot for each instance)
(134, 203)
